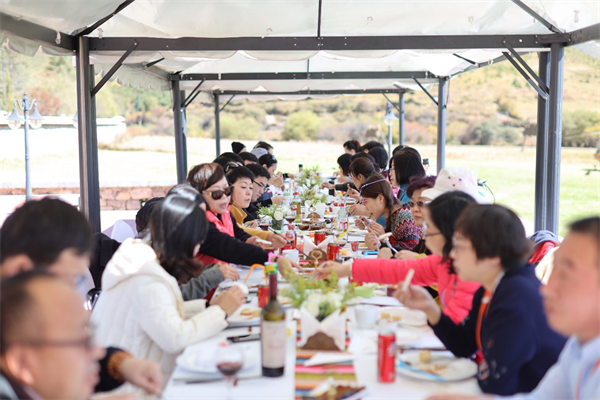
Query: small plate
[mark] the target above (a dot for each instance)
(403, 316)
(245, 313)
(446, 367)
(404, 337)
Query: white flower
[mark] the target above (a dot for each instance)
(335, 299)
(308, 203)
(278, 215)
(312, 308)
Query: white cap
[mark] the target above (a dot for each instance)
(259, 152)
(450, 179)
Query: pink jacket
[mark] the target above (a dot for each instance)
(456, 296)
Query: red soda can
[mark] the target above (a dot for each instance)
(333, 251)
(263, 295)
(319, 237)
(386, 354)
(354, 245)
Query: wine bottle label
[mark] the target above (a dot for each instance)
(273, 339)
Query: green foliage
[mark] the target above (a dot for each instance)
(236, 128)
(579, 127)
(302, 125)
(489, 132)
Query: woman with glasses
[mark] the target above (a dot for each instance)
(436, 269)
(225, 241)
(379, 201)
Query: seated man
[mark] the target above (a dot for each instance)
(46, 350)
(53, 236)
(572, 305)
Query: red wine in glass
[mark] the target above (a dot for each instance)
(229, 369)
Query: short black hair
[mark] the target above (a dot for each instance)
(263, 145)
(344, 162)
(444, 211)
(371, 145)
(203, 176)
(231, 157)
(362, 166)
(17, 314)
(236, 174)
(495, 231)
(43, 229)
(267, 159)
(380, 156)
(246, 156)
(258, 170)
(588, 226)
(143, 215)
(237, 147)
(352, 145)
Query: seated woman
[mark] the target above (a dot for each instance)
(343, 178)
(455, 294)
(225, 241)
(241, 179)
(405, 164)
(506, 327)
(361, 169)
(351, 147)
(379, 201)
(141, 308)
(381, 159)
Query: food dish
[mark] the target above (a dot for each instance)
(443, 366)
(403, 316)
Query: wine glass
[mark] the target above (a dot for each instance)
(229, 360)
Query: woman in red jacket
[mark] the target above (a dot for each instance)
(440, 215)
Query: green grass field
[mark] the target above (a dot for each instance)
(510, 173)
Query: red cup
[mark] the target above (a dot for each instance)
(263, 295)
(319, 237)
(333, 251)
(354, 245)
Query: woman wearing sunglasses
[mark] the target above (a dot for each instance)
(440, 216)
(379, 201)
(226, 241)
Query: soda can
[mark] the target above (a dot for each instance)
(263, 295)
(319, 237)
(333, 251)
(386, 353)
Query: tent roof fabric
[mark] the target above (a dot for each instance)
(293, 19)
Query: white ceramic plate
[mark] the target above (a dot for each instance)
(403, 316)
(238, 317)
(404, 337)
(447, 367)
(206, 364)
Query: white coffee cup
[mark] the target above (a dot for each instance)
(366, 316)
(292, 255)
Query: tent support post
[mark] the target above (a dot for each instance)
(400, 117)
(557, 54)
(441, 139)
(217, 124)
(180, 145)
(541, 151)
(89, 192)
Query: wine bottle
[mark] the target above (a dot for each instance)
(273, 333)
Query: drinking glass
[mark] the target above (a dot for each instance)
(229, 360)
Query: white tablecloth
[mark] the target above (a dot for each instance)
(283, 387)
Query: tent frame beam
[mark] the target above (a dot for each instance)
(260, 76)
(40, 33)
(93, 27)
(541, 83)
(310, 92)
(541, 155)
(192, 96)
(426, 92)
(541, 91)
(114, 69)
(536, 16)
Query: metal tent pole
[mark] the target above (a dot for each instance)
(89, 202)
(401, 117)
(441, 139)
(217, 124)
(180, 153)
(541, 151)
(557, 54)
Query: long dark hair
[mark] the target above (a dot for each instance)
(380, 156)
(177, 226)
(268, 160)
(352, 145)
(377, 185)
(407, 163)
(344, 162)
(362, 166)
(444, 211)
(203, 176)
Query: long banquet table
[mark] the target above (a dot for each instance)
(259, 387)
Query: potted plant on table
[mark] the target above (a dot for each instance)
(276, 213)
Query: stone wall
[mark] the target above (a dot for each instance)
(111, 198)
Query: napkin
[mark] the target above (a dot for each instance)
(328, 357)
(310, 246)
(363, 342)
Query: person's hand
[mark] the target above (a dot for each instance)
(458, 397)
(361, 222)
(353, 193)
(372, 241)
(287, 267)
(229, 300)
(251, 224)
(327, 185)
(358, 209)
(144, 374)
(406, 255)
(277, 199)
(278, 180)
(376, 229)
(228, 271)
(253, 240)
(277, 240)
(417, 298)
(323, 272)
(386, 253)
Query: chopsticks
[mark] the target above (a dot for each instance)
(404, 365)
(385, 238)
(288, 242)
(186, 381)
(410, 348)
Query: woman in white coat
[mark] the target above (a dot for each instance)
(141, 308)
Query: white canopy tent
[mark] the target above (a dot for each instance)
(304, 48)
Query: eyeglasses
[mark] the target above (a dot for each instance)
(421, 204)
(426, 235)
(218, 194)
(262, 187)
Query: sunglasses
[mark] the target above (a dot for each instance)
(421, 204)
(218, 194)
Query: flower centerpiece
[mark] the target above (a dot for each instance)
(322, 306)
(310, 177)
(313, 196)
(276, 213)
